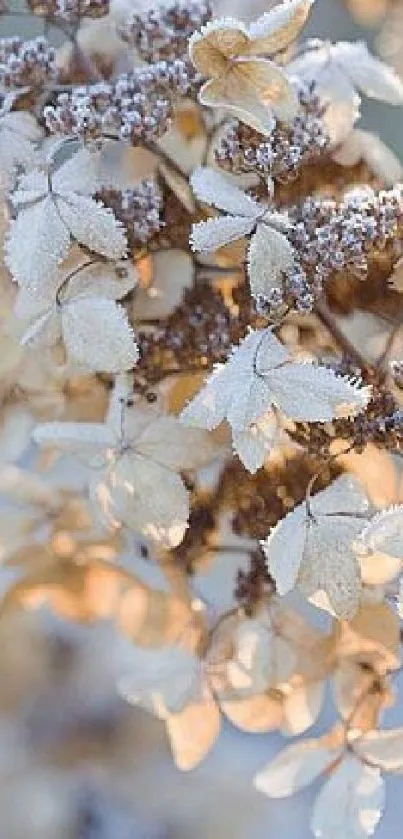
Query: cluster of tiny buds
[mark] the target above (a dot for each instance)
(26, 63)
(332, 237)
(136, 106)
(138, 208)
(279, 156)
(70, 11)
(163, 32)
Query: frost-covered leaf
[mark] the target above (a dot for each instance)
(50, 216)
(258, 375)
(96, 332)
(254, 445)
(314, 549)
(92, 225)
(270, 257)
(295, 768)
(38, 241)
(309, 393)
(208, 236)
(384, 533)
(18, 132)
(383, 749)
(350, 804)
(98, 336)
(211, 187)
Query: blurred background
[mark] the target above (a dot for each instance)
(75, 761)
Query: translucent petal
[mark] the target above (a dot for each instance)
(370, 75)
(382, 748)
(294, 768)
(350, 804)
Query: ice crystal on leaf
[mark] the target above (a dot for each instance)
(142, 452)
(271, 257)
(54, 210)
(241, 81)
(83, 314)
(259, 377)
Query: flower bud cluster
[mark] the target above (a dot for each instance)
(163, 31)
(137, 107)
(26, 63)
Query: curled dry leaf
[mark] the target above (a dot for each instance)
(252, 88)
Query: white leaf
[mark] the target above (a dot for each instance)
(254, 445)
(315, 551)
(384, 533)
(18, 131)
(235, 390)
(208, 236)
(270, 257)
(211, 187)
(37, 243)
(92, 225)
(294, 768)
(80, 173)
(98, 336)
(370, 75)
(383, 749)
(309, 393)
(146, 497)
(167, 442)
(350, 804)
(284, 549)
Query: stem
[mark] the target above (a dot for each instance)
(329, 321)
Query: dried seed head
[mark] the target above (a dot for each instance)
(163, 31)
(26, 63)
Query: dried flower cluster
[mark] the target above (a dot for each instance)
(194, 441)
